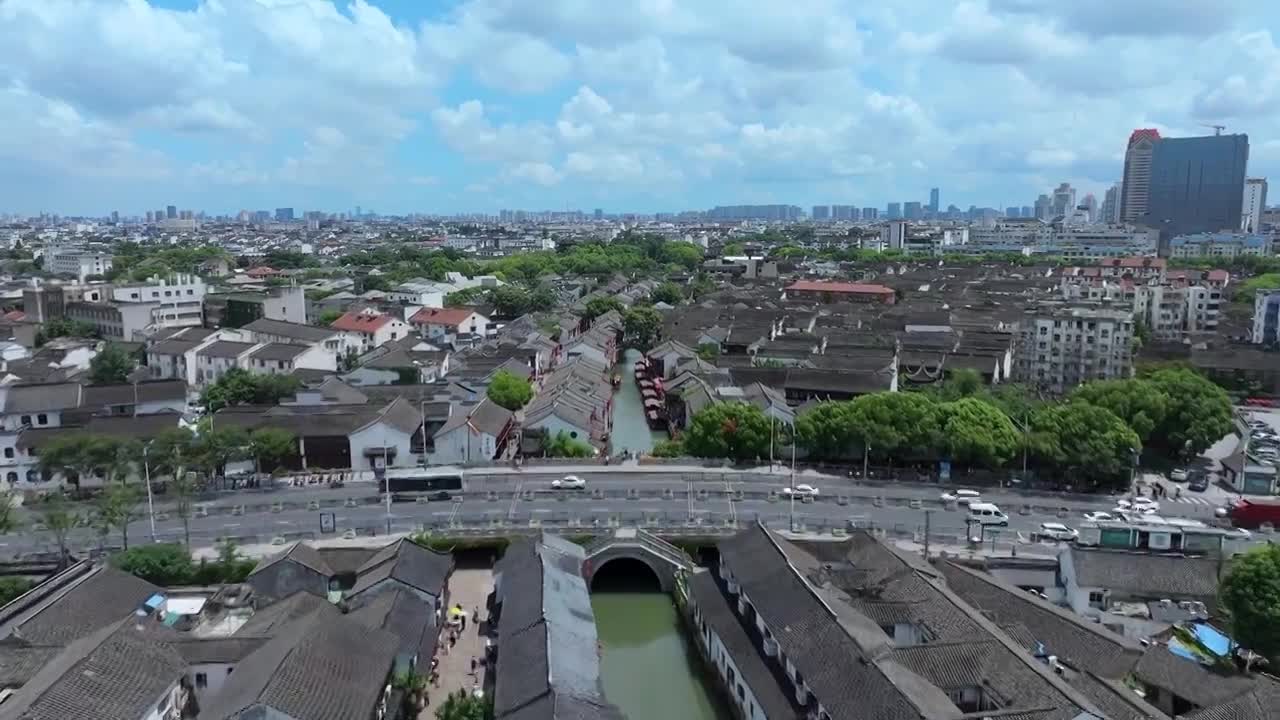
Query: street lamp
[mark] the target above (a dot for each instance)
(146, 473)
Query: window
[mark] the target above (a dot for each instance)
(26, 419)
(42, 419)
(229, 670)
(191, 292)
(8, 452)
(168, 293)
(202, 680)
(11, 478)
(1096, 598)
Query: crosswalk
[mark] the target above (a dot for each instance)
(1187, 499)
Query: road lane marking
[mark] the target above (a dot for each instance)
(511, 511)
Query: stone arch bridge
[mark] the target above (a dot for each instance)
(663, 558)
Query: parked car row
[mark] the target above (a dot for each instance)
(1264, 443)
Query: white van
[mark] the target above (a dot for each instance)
(987, 514)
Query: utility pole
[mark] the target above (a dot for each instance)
(386, 480)
(792, 519)
(928, 514)
(866, 456)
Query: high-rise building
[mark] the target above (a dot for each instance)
(1266, 317)
(284, 214)
(115, 216)
(1012, 211)
(870, 213)
(598, 214)
(821, 212)
(1197, 184)
(843, 212)
(1110, 212)
(171, 212)
(1136, 188)
(934, 197)
(1064, 200)
(160, 214)
(1044, 208)
(1090, 206)
(894, 211)
(1255, 201)
(151, 216)
(913, 211)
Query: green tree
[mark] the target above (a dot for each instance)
(240, 387)
(60, 518)
(465, 707)
(9, 519)
(686, 255)
(1138, 402)
(269, 446)
(561, 445)
(65, 327)
(977, 433)
(896, 424)
(173, 453)
(667, 292)
(217, 446)
(328, 317)
(598, 306)
(117, 507)
(728, 430)
(161, 563)
(111, 366)
(668, 449)
(13, 587)
(1085, 439)
(827, 430)
(509, 390)
(1250, 594)
(708, 351)
(642, 325)
(1198, 414)
(78, 456)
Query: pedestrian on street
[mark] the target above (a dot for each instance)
(473, 666)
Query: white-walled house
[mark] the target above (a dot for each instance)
(477, 433)
(368, 329)
(438, 323)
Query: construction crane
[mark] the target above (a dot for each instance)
(1217, 129)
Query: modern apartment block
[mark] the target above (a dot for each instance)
(1069, 343)
(1218, 245)
(1174, 304)
(179, 299)
(1266, 317)
(1030, 236)
(1136, 187)
(79, 263)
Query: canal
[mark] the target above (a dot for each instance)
(650, 669)
(630, 429)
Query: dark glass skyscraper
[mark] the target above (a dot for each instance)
(1197, 184)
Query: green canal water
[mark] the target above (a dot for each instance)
(651, 672)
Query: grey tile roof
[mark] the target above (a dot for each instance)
(486, 416)
(411, 618)
(96, 396)
(548, 668)
(19, 663)
(321, 667)
(45, 396)
(268, 620)
(224, 349)
(278, 351)
(217, 649)
(1262, 703)
(1147, 575)
(301, 553)
(408, 563)
(280, 328)
(1189, 679)
(97, 600)
(172, 347)
(775, 701)
(118, 672)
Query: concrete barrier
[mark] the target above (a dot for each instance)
(277, 507)
(237, 510)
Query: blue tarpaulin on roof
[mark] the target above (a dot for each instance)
(154, 601)
(1212, 640)
(1181, 650)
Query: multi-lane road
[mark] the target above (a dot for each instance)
(662, 496)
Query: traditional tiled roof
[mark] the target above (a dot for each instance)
(1146, 574)
(408, 563)
(95, 601)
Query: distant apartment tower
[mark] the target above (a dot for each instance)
(913, 211)
(843, 212)
(821, 212)
(1266, 317)
(284, 214)
(115, 216)
(1197, 184)
(1064, 200)
(1090, 206)
(894, 211)
(1064, 345)
(1027, 211)
(1136, 183)
(1255, 201)
(598, 215)
(1110, 212)
(151, 216)
(171, 212)
(1044, 208)
(870, 213)
(1012, 212)
(934, 198)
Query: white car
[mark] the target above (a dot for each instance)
(1178, 475)
(1058, 531)
(962, 497)
(1140, 506)
(1098, 516)
(569, 482)
(800, 490)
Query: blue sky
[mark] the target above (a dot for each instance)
(478, 105)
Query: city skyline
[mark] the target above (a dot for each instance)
(481, 105)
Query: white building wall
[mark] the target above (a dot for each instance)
(1255, 200)
(462, 445)
(380, 435)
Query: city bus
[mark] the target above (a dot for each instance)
(409, 484)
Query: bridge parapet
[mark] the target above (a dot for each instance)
(661, 556)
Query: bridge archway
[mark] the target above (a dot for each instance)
(626, 573)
